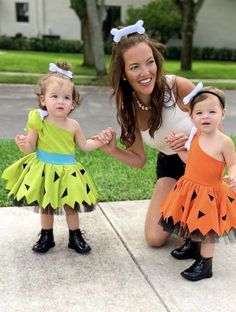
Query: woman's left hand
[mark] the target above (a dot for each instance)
(230, 181)
(177, 142)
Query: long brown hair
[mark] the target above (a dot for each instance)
(122, 91)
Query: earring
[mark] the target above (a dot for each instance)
(124, 79)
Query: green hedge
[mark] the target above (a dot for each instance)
(40, 44)
(207, 53)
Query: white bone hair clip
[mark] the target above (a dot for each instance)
(194, 92)
(53, 68)
(131, 29)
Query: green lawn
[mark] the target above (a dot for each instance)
(37, 63)
(114, 180)
(204, 69)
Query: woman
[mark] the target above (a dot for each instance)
(149, 108)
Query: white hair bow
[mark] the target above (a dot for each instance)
(55, 69)
(119, 33)
(195, 91)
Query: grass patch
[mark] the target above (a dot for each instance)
(37, 63)
(204, 69)
(114, 180)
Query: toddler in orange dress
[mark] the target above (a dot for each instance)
(202, 204)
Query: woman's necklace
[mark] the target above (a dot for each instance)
(140, 105)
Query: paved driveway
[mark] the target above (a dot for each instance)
(94, 114)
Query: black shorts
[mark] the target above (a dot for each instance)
(169, 166)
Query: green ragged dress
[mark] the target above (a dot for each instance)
(51, 176)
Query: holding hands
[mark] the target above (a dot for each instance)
(108, 138)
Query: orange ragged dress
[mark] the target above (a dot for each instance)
(200, 203)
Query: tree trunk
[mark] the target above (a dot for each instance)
(79, 6)
(188, 10)
(187, 37)
(88, 53)
(95, 30)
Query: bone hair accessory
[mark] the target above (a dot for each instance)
(119, 33)
(194, 92)
(53, 68)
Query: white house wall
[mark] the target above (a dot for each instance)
(46, 17)
(215, 22)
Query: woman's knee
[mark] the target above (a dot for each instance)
(155, 240)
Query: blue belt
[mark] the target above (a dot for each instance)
(55, 159)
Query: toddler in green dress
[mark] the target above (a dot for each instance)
(49, 174)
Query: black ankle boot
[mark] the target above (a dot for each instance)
(77, 242)
(45, 242)
(189, 250)
(201, 268)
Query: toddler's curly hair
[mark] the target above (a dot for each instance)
(41, 86)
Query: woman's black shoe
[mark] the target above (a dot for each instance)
(189, 250)
(77, 242)
(201, 268)
(45, 242)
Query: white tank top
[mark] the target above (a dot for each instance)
(173, 119)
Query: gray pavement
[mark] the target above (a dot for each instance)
(95, 113)
(121, 274)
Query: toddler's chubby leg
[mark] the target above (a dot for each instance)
(46, 240)
(76, 239)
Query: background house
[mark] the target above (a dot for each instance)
(38, 18)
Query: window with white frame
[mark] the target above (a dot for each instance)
(22, 11)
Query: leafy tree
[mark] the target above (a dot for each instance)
(162, 19)
(188, 10)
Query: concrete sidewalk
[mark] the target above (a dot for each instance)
(121, 274)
